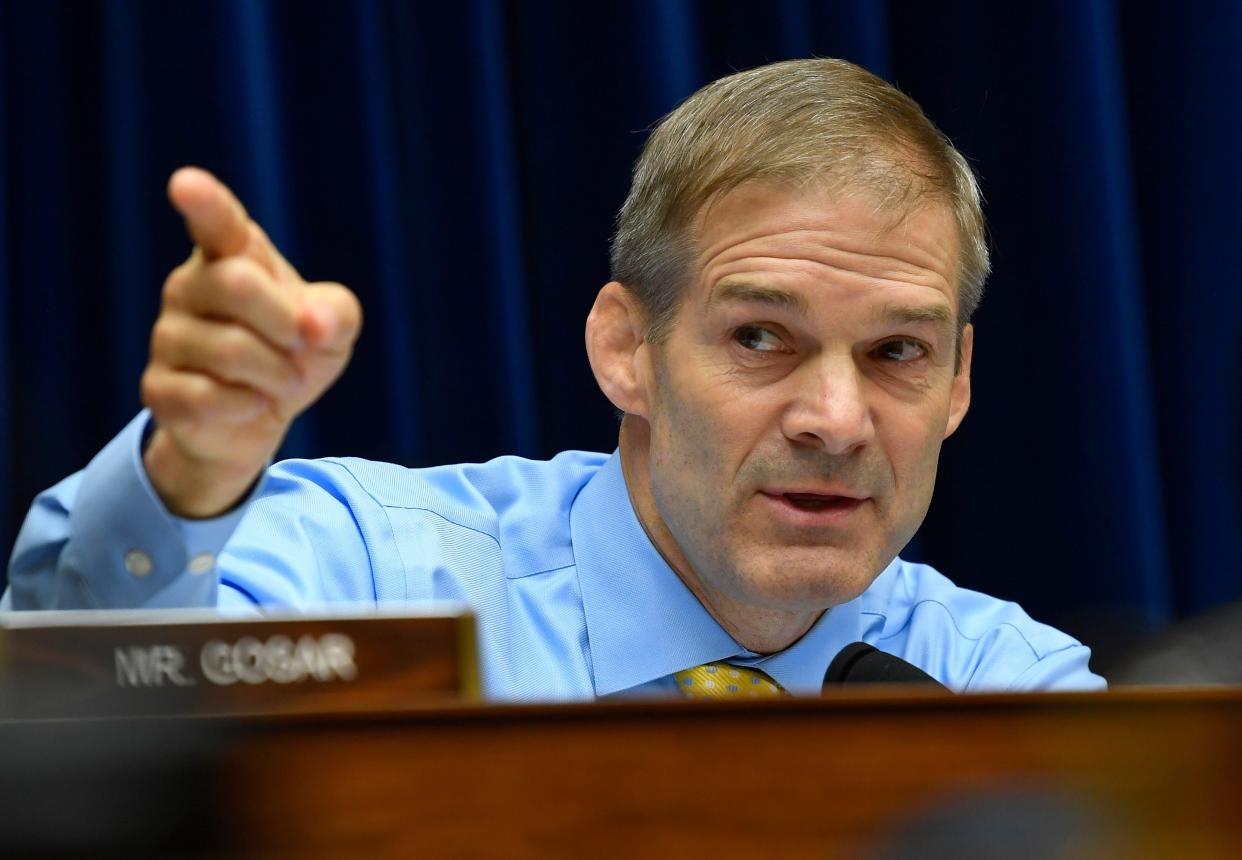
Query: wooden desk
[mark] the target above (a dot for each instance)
(1123, 774)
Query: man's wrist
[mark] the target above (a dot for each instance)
(194, 488)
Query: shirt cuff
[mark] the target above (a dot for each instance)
(127, 548)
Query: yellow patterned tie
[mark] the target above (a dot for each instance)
(722, 681)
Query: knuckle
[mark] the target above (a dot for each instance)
(150, 388)
(163, 337)
(230, 351)
(175, 286)
(179, 399)
(161, 394)
(236, 280)
(195, 394)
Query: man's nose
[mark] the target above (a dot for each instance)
(830, 408)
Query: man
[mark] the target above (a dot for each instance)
(788, 337)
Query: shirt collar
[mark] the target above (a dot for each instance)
(643, 623)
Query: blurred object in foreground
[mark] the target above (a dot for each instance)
(112, 788)
(867, 773)
(1020, 822)
(1206, 649)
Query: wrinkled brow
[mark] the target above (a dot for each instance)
(737, 291)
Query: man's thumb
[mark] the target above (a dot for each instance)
(331, 317)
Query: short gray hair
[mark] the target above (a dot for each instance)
(820, 121)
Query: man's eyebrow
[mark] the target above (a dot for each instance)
(738, 291)
(913, 314)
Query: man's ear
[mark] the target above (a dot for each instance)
(959, 396)
(616, 342)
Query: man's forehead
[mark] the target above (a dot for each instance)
(854, 209)
(843, 229)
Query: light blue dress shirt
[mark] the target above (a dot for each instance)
(573, 601)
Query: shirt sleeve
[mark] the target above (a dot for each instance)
(1062, 670)
(103, 539)
(969, 641)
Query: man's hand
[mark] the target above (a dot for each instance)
(241, 346)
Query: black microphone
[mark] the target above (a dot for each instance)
(859, 663)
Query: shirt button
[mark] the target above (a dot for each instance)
(138, 563)
(202, 563)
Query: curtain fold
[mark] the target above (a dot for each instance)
(459, 166)
(506, 283)
(7, 476)
(395, 272)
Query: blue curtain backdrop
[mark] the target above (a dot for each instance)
(459, 166)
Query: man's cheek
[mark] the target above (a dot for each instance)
(690, 428)
(911, 439)
(918, 479)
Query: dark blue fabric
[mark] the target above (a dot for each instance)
(459, 166)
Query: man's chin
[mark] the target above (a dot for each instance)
(806, 578)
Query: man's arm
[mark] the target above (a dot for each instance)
(102, 539)
(241, 346)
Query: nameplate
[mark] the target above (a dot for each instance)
(182, 662)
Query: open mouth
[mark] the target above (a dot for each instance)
(816, 502)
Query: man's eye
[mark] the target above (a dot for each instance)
(759, 339)
(901, 350)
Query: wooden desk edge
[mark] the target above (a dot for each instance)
(874, 699)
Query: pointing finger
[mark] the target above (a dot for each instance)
(215, 219)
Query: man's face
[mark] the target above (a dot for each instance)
(798, 405)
